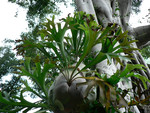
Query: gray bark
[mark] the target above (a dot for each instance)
(142, 34)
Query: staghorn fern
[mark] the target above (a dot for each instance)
(72, 90)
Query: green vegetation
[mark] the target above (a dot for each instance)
(59, 51)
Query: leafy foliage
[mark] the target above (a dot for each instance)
(135, 5)
(74, 48)
(7, 61)
(82, 41)
(37, 74)
(108, 94)
(38, 9)
(146, 52)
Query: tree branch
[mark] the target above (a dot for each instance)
(142, 34)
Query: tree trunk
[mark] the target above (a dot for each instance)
(142, 34)
(105, 12)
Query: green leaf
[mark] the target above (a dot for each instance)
(90, 40)
(114, 79)
(131, 67)
(28, 88)
(142, 78)
(27, 63)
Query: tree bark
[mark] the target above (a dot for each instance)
(142, 34)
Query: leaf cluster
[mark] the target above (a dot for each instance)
(38, 76)
(146, 52)
(75, 48)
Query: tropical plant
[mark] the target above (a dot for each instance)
(76, 82)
